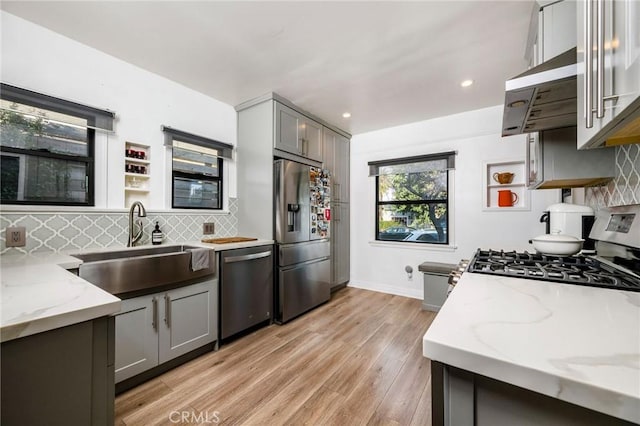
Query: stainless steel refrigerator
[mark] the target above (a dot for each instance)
(302, 214)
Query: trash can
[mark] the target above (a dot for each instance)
(435, 277)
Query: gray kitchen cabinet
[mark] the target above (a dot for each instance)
(156, 328)
(608, 74)
(556, 29)
(462, 398)
(336, 160)
(189, 319)
(268, 128)
(136, 337)
(296, 133)
(60, 377)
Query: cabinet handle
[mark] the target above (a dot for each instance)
(154, 320)
(336, 213)
(588, 64)
(528, 160)
(336, 191)
(246, 257)
(600, 60)
(167, 310)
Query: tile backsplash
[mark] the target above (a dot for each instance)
(625, 188)
(63, 232)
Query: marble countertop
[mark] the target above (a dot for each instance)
(39, 294)
(575, 343)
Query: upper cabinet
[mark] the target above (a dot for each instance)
(336, 160)
(296, 133)
(556, 30)
(608, 72)
(272, 127)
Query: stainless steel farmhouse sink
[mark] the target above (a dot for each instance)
(133, 272)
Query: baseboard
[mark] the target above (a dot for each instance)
(388, 289)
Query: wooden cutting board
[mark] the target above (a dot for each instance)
(227, 240)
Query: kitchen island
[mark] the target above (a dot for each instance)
(535, 352)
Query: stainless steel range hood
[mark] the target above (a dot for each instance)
(542, 98)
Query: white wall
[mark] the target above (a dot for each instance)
(38, 59)
(476, 137)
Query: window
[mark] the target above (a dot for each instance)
(196, 169)
(412, 198)
(47, 148)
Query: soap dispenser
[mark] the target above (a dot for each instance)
(156, 235)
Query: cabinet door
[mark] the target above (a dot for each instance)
(136, 344)
(328, 147)
(188, 319)
(340, 245)
(312, 143)
(341, 191)
(288, 126)
(620, 65)
(626, 68)
(336, 159)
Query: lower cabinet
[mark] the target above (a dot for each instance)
(59, 377)
(462, 398)
(156, 328)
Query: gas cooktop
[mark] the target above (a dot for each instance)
(577, 269)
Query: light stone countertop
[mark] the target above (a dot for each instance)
(575, 343)
(38, 293)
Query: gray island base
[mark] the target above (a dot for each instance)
(462, 398)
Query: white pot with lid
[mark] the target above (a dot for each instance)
(557, 244)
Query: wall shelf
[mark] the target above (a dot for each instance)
(136, 184)
(137, 175)
(490, 186)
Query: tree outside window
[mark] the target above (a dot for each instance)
(412, 200)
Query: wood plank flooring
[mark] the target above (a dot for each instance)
(356, 360)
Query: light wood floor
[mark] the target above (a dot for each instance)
(355, 360)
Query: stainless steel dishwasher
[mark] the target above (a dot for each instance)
(246, 288)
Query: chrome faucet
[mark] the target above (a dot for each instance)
(134, 238)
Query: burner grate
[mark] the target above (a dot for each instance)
(578, 269)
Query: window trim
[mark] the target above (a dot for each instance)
(97, 118)
(170, 134)
(450, 156)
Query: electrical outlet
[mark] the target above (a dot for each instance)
(16, 236)
(208, 228)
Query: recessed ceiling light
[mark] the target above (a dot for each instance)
(346, 115)
(466, 83)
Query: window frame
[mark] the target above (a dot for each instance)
(374, 167)
(218, 179)
(60, 106)
(224, 151)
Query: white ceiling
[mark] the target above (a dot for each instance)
(388, 63)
